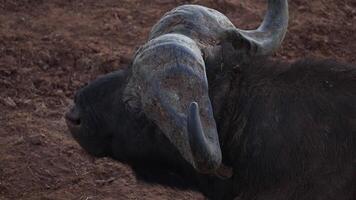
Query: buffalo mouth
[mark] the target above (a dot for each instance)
(73, 121)
(72, 116)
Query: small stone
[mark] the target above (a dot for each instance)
(35, 140)
(10, 102)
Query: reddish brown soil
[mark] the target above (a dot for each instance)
(49, 49)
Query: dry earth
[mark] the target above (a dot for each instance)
(50, 48)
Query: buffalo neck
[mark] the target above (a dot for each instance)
(234, 96)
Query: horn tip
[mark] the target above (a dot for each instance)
(193, 107)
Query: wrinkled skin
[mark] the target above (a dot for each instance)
(286, 130)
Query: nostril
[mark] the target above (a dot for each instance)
(73, 116)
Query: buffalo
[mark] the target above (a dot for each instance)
(202, 95)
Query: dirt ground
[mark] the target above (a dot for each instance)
(50, 48)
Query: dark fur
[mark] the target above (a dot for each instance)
(287, 130)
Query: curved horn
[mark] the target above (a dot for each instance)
(206, 152)
(168, 73)
(269, 36)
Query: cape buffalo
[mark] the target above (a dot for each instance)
(202, 94)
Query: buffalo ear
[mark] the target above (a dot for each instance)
(227, 54)
(235, 42)
(224, 172)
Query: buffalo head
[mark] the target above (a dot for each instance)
(167, 82)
